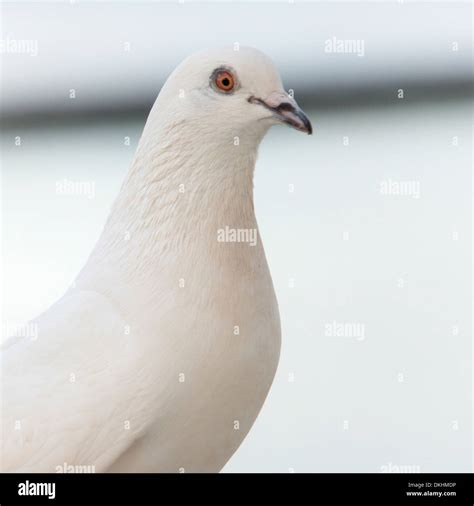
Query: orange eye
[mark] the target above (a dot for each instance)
(224, 80)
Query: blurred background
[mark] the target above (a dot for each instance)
(367, 224)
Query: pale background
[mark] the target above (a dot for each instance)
(339, 249)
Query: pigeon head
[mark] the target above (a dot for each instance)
(227, 92)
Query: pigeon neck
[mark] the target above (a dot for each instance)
(179, 194)
(184, 207)
(185, 185)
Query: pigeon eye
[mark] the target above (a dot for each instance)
(224, 80)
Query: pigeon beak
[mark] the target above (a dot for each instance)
(286, 110)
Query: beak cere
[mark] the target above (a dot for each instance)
(294, 116)
(286, 110)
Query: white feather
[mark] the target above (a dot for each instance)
(140, 367)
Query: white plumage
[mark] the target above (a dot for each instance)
(160, 357)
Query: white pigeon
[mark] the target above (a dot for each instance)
(161, 355)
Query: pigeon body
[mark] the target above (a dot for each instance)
(160, 356)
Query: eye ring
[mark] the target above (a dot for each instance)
(224, 80)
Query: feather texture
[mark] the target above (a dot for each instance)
(161, 355)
